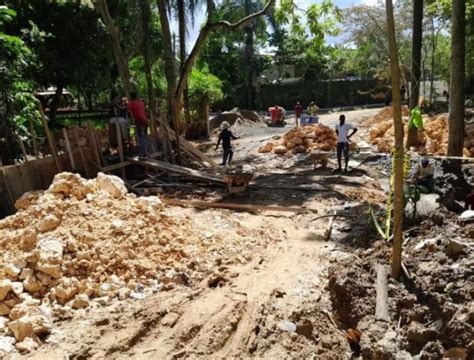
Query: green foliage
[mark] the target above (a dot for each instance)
(137, 72)
(204, 88)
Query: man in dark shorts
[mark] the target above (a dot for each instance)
(225, 136)
(342, 131)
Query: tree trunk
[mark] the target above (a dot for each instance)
(434, 37)
(170, 71)
(456, 96)
(146, 38)
(398, 151)
(182, 56)
(113, 30)
(249, 56)
(416, 57)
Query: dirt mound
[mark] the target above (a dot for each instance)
(431, 312)
(433, 140)
(88, 241)
(234, 116)
(303, 140)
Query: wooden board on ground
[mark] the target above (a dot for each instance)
(190, 148)
(179, 170)
(250, 207)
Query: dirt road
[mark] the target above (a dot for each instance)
(271, 302)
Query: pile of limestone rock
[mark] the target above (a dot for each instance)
(433, 140)
(303, 140)
(87, 242)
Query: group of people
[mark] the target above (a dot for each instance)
(122, 110)
(312, 110)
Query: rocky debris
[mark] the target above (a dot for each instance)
(304, 139)
(5, 287)
(433, 140)
(7, 345)
(234, 116)
(84, 243)
(433, 309)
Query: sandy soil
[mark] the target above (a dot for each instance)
(273, 304)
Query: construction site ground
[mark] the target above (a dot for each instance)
(283, 297)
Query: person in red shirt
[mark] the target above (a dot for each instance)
(298, 110)
(136, 107)
(275, 112)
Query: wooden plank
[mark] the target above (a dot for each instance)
(113, 167)
(251, 207)
(6, 186)
(68, 149)
(52, 143)
(79, 148)
(118, 130)
(180, 170)
(186, 145)
(94, 142)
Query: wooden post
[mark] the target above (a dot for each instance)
(6, 185)
(81, 153)
(33, 137)
(94, 143)
(52, 143)
(68, 149)
(118, 129)
(206, 115)
(398, 146)
(167, 150)
(381, 305)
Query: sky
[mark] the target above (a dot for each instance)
(193, 32)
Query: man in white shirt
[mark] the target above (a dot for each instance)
(342, 131)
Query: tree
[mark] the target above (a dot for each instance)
(398, 150)
(114, 32)
(146, 36)
(175, 93)
(456, 98)
(417, 36)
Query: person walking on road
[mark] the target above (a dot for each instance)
(226, 136)
(298, 110)
(342, 131)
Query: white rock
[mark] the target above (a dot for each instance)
(12, 270)
(117, 225)
(3, 324)
(5, 287)
(17, 288)
(80, 301)
(50, 248)
(49, 223)
(26, 346)
(32, 284)
(25, 273)
(137, 295)
(7, 344)
(111, 184)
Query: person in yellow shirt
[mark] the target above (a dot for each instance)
(312, 109)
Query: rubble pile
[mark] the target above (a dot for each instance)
(302, 140)
(431, 305)
(433, 140)
(86, 242)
